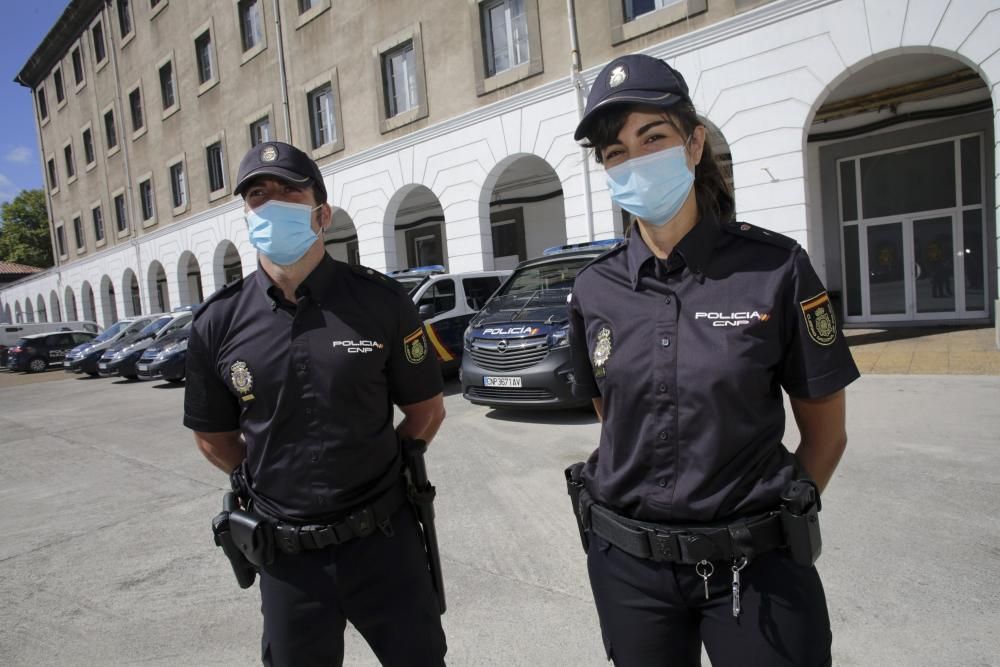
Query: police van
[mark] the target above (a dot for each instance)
(517, 348)
(447, 302)
(10, 333)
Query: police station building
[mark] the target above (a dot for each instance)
(865, 129)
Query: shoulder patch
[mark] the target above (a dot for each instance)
(228, 288)
(748, 231)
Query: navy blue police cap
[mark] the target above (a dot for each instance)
(283, 161)
(632, 79)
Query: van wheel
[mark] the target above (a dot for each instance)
(37, 365)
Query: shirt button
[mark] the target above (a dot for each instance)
(302, 368)
(663, 482)
(667, 300)
(315, 458)
(663, 435)
(662, 387)
(665, 342)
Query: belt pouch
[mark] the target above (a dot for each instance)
(253, 535)
(574, 486)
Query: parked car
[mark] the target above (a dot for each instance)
(447, 302)
(84, 358)
(10, 333)
(121, 359)
(166, 357)
(34, 353)
(517, 348)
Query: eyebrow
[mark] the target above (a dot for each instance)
(643, 130)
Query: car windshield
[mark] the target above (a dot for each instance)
(410, 283)
(110, 332)
(549, 277)
(155, 325)
(137, 326)
(21, 342)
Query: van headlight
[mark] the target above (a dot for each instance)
(121, 354)
(171, 349)
(559, 337)
(467, 339)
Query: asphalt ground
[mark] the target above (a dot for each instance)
(107, 558)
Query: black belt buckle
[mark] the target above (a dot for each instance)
(286, 536)
(663, 546)
(361, 522)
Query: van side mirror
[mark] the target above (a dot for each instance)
(426, 311)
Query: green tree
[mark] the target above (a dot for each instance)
(24, 236)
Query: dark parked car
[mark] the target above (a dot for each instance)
(121, 358)
(165, 358)
(83, 358)
(34, 353)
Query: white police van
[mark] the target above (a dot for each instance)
(447, 302)
(517, 347)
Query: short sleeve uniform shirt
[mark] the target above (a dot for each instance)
(689, 356)
(311, 385)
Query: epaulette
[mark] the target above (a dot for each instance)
(375, 276)
(610, 252)
(225, 290)
(755, 233)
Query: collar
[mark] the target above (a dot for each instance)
(693, 250)
(315, 286)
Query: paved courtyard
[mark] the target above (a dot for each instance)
(107, 557)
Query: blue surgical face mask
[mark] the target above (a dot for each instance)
(652, 187)
(282, 231)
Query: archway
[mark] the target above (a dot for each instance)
(109, 308)
(156, 283)
(415, 221)
(70, 300)
(89, 307)
(522, 204)
(899, 152)
(29, 311)
(341, 238)
(189, 278)
(43, 315)
(18, 313)
(6, 314)
(54, 310)
(227, 265)
(130, 292)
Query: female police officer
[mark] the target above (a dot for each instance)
(684, 336)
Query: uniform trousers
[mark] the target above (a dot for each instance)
(656, 613)
(381, 584)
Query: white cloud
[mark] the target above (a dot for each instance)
(7, 189)
(19, 154)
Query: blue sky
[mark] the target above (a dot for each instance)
(23, 26)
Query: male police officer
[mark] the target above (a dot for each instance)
(292, 376)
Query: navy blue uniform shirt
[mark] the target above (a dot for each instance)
(689, 356)
(311, 385)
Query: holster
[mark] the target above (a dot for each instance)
(253, 536)
(800, 506)
(245, 572)
(574, 486)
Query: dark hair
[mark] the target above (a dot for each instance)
(711, 189)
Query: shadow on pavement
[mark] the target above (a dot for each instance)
(869, 336)
(554, 417)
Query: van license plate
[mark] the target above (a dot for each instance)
(501, 382)
(102, 367)
(142, 368)
(65, 364)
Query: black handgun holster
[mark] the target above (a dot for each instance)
(253, 535)
(574, 486)
(245, 572)
(800, 506)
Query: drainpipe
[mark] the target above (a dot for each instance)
(281, 74)
(578, 86)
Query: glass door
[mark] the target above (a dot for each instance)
(934, 266)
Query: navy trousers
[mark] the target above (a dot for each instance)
(382, 585)
(656, 613)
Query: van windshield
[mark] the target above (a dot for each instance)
(155, 325)
(555, 276)
(110, 332)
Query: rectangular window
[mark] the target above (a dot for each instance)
(260, 131)
(110, 133)
(43, 107)
(124, 17)
(213, 156)
(98, 223)
(77, 65)
(70, 163)
(51, 170)
(321, 120)
(635, 8)
(505, 35)
(78, 232)
(167, 85)
(61, 240)
(399, 75)
(203, 54)
(178, 186)
(306, 5)
(146, 199)
(251, 23)
(153, 3)
(121, 216)
(135, 108)
(88, 146)
(97, 34)
(57, 80)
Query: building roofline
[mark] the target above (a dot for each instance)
(73, 22)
